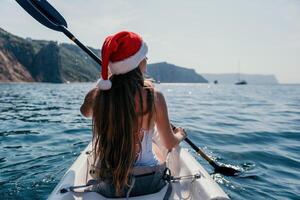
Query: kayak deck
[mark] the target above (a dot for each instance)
(179, 161)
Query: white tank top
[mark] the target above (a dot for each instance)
(146, 157)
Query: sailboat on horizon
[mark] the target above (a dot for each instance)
(240, 82)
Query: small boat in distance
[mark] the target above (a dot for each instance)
(240, 82)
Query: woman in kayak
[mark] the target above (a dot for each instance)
(125, 108)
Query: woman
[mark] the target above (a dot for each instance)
(125, 108)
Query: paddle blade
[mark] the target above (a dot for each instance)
(44, 13)
(227, 171)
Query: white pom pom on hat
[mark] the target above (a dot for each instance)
(120, 54)
(104, 84)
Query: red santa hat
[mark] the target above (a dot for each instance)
(120, 54)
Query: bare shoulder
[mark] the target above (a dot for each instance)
(159, 99)
(87, 106)
(159, 94)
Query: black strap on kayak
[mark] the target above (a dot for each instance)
(169, 178)
(72, 188)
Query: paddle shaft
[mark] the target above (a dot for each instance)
(201, 153)
(82, 46)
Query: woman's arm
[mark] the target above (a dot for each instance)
(86, 108)
(169, 139)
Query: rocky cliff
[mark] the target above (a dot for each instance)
(11, 70)
(43, 61)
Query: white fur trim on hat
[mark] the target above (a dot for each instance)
(130, 63)
(104, 84)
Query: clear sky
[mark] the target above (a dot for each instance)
(207, 35)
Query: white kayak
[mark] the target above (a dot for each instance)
(179, 161)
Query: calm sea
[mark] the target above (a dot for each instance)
(256, 128)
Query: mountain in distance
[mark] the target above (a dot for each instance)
(28, 60)
(232, 78)
(168, 73)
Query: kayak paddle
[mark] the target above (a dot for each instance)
(227, 171)
(47, 15)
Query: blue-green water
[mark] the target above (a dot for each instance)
(256, 128)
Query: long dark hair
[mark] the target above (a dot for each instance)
(116, 120)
